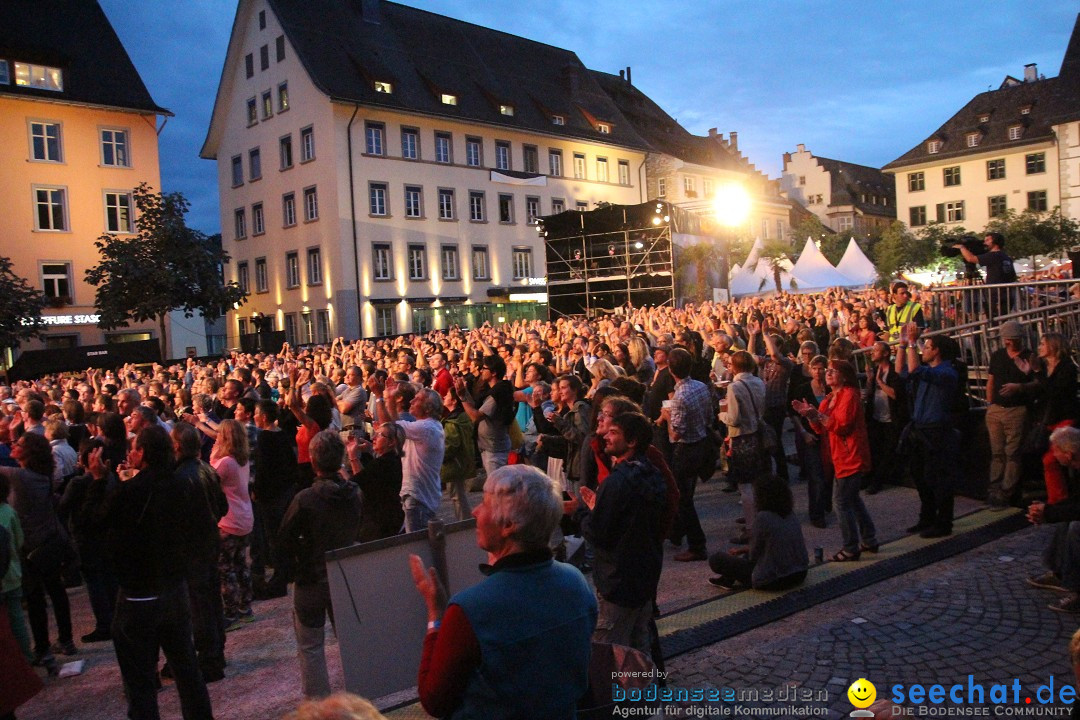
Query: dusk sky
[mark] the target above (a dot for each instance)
(856, 81)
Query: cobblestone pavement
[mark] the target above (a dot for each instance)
(970, 614)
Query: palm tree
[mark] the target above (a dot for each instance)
(775, 252)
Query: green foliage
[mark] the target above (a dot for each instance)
(810, 227)
(1036, 233)
(694, 265)
(20, 307)
(774, 252)
(166, 266)
(899, 250)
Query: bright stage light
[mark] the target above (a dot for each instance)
(656, 221)
(732, 204)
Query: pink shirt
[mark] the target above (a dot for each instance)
(240, 519)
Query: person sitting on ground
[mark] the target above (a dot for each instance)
(530, 611)
(1062, 555)
(776, 558)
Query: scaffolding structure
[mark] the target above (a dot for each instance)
(603, 259)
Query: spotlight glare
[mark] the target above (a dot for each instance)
(656, 221)
(638, 245)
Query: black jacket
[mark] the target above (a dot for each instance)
(211, 502)
(84, 508)
(380, 483)
(323, 517)
(275, 456)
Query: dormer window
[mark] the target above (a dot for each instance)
(506, 110)
(603, 128)
(1015, 132)
(41, 77)
(973, 139)
(558, 120)
(933, 147)
(384, 87)
(1024, 110)
(448, 99)
(984, 118)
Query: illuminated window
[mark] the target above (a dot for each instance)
(603, 128)
(282, 97)
(601, 169)
(383, 87)
(41, 77)
(558, 120)
(448, 99)
(506, 110)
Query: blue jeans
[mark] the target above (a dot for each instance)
(417, 514)
(854, 520)
(493, 460)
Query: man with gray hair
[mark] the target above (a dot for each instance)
(425, 446)
(529, 611)
(323, 517)
(1062, 555)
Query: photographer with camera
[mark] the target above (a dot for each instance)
(999, 269)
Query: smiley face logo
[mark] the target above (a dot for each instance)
(862, 693)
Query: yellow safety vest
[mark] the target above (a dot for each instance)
(897, 320)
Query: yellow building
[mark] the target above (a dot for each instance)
(1013, 148)
(82, 134)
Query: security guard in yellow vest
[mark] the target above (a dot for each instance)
(901, 312)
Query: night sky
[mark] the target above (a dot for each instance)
(856, 81)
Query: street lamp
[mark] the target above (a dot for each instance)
(732, 206)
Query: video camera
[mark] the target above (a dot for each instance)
(973, 243)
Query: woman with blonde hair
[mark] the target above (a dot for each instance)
(230, 458)
(603, 372)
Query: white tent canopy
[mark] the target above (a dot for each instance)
(755, 253)
(746, 282)
(856, 266)
(815, 272)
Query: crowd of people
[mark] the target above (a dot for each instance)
(600, 427)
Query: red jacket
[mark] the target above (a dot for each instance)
(846, 428)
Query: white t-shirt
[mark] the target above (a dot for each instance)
(425, 445)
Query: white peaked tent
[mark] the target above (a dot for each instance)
(755, 253)
(815, 272)
(764, 270)
(735, 270)
(856, 266)
(746, 282)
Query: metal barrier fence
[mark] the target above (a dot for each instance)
(962, 304)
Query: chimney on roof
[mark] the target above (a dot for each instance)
(734, 140)
(628, 80)
(370, 11)
(622, 74)
(1031, 72)
(712, 132)
(787, 159)
(800, 148)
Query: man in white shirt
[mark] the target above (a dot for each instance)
(425, 445)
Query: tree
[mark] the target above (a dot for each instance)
(774, 253)
(20, 307)
(1031, 233)
(899, 250)
(696, 263)
(166, 266)
(831, 244)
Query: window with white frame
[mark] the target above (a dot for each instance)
(779, 228)
(285, 152)
(476, 206)
(661, 187)
(995, 169)
(258, 220)
(555, 162)
(601, 169)
(474, 155)
(314, 266)
(307, 328)
(384, 319)
(56, 280)
(267, 105)
(237, 170)
(522, 261)
(382, 261)
(581, 205)
(624, 172)
(417, 262)
(311, 204)
(954, 211)
(50, 208)
(446, 204)
(765, 228)
(530, 158)
(283, 97)
(579, 166)
(933, 147)
(502, 155)
(292, 269)
(254, 164)
(414, 206)
(261, 279)
(307, 144)
(1016, 132)
(689, 186)
(410, 143)
(558, 119)
(603, 128)
(449, 257)
(558, 205)
(707, 187)
(288, 209)
(506, 208)
(290, 328)
(242, 277)
(41, 77)
(443, 148)
(916, 182)
(951, 176)
(239, 224)
(45, 141)
(377, 199)
(252, 111)
(480, 268)
(973, 139)
(118, 217)
(322, 326)
(532, 209)
(844, 223)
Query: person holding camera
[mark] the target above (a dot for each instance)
(999, 269)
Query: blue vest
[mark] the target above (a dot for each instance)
(534, 625)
